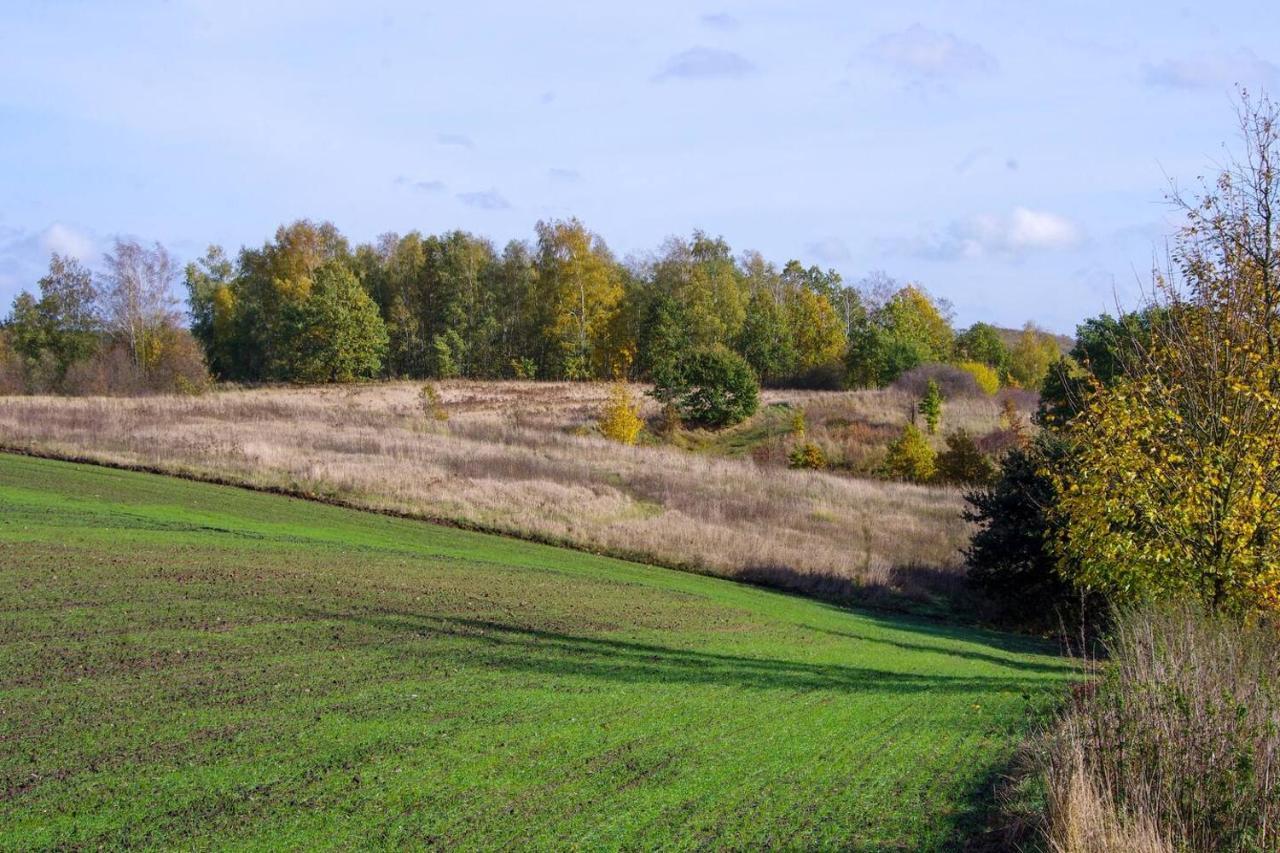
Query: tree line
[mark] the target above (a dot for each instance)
(118, 331)
(308, 307)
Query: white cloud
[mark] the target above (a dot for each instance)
(1213, 70)
(921, 53)
(1020, 232)
(67, 241)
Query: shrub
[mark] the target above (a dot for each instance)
(797, 422)
(177, 366)
(828, 376)
(962, 463)
(1180, 735)
(524, 368)
(620, 417)
(712, 387)
(985, 377)
(432, 407)
(931, 407)
(953, 383)
(910, 457)
(807, 455)
(1010, 555)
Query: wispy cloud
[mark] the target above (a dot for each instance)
(457, 140)
(1020, 232)
(484, 200)
(567, 176)
(830, 250)
(720, 21)
(1213, 70)
(702, 63)
(420, 186)
(919, 53)
(25, 254)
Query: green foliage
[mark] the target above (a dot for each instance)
(910, 457)
(765, 340)
(448, 353)
(334, 334)
(711, 387)
(807, 455)
(1031, 357)
(1105, 347)
(931, 406)
(982, 343)
(909, 330)
(524, 368)
(1011, 553)
(962, 463)
(63, 326)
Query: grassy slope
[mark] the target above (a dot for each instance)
(190, 664)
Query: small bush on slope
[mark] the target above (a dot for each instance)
(910, 457)
(620, 416)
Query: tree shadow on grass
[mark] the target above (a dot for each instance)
(521, 648)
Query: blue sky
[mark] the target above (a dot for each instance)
(1012, 157)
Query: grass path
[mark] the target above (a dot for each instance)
(191, 665)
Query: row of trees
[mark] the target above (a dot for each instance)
(118, 331)
(306, 306)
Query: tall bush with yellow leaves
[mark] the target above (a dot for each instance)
(620, 417)
(1174, 491)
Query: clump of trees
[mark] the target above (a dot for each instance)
(308, 306)
(117, 332)
(562, 307)
(711, 387)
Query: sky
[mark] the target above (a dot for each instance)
(1012, 157)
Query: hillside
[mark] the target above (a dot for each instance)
(523, 458)
(186, 664)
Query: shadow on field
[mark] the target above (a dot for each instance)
(522, 648)
(903, 588)
(1065, 668)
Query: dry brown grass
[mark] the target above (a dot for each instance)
(1176, 746)
(517, 457)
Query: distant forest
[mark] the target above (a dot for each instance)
(308, 307)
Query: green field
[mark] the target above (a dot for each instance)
(198, 666)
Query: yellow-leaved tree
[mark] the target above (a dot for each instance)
(1174, 491)
(620, 417)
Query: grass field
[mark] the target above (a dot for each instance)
(199, 666)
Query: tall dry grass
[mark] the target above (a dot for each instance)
(514, 457)
(1177, 746)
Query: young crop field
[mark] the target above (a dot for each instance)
(191, 665)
